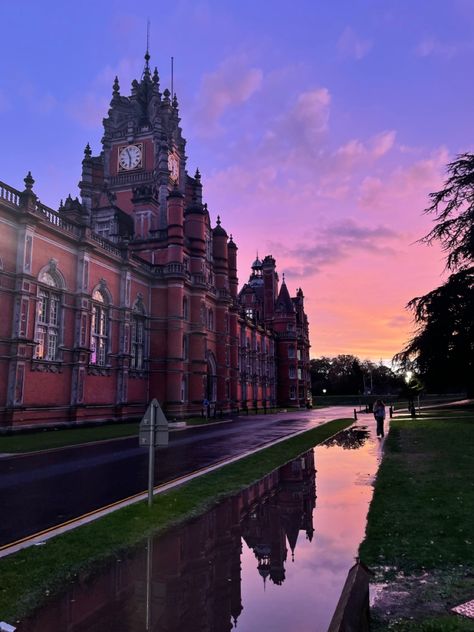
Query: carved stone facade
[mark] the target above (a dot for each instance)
(129, 293)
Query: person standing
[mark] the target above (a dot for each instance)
(379, 414)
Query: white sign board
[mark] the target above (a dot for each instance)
(153, 426)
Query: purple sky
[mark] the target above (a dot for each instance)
(319, 129)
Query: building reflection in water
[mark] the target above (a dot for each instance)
(190, 578)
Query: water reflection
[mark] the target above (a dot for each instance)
(190, 578)
(351, 439)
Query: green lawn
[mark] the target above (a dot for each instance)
(50, 439)
(27, 575)
(420, 532)
(47, 439)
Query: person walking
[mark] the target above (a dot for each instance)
(379, 414)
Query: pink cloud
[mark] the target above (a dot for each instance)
(88, 110)
(341, 221)
(229, 86)
(125, 70)
(356, 151)
(383, 143)
(312, 110)
(350, 44)
(411, 182)
(431, 46)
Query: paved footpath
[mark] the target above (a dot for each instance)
(41, 490)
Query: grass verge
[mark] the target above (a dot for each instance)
(63, 437)
(49, 439)
(420, 535)
(30, 575)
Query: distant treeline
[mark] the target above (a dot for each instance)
(348, 375)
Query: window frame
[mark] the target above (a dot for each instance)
(50, 302)
(100, 330)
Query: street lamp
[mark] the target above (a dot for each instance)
(324, 391)
(408, 376)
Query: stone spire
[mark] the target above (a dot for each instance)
(284, 304)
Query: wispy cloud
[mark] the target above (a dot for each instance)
(409, 182)
(88, 110)
(432, 46)
(351, 45)
(36, 100)
(230, 85)
(333, 243)
(89, 107)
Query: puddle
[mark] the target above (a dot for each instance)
(274, 557)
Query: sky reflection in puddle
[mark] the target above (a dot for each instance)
(273, 557)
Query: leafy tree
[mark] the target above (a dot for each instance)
(453, 208)
(442, 347)
(347, 375)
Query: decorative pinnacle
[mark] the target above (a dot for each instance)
(87, 151)
(146, 70)
(175, 101)
(156, 78)
(167, 94)
(218, 220)
(283, 275)
(116, 88)
(29, 182)
(197, 175)
(147, 54)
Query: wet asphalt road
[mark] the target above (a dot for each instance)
(39, 491)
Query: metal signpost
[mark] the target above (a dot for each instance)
(153, 433)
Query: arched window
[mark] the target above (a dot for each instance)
(99, 327)
(137, 361)
(185, 308)
(185, 347)
(184, 389)
(210, 322)
(48, 313)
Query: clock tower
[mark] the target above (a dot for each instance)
(143, 157)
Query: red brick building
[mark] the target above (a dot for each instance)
(129, 293)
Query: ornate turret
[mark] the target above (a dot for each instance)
(256, 278)
(218, 231)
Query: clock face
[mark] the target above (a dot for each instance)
(173, 166)
(130, 157)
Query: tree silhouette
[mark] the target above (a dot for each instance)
(442, 347)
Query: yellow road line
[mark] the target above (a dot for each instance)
(44, 532)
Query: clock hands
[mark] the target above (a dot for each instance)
(130, 157)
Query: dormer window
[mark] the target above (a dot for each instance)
(104, 228)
